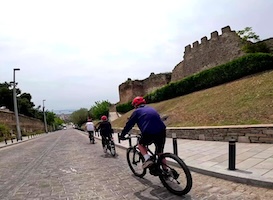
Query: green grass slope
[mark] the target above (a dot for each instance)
(244, 101)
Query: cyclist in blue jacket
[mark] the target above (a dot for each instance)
(153, 130)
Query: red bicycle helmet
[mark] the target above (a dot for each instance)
(103, 118)
(137, 101)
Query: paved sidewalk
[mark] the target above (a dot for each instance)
(24, 138)
(254, 162)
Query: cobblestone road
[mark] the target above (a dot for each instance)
(64, 165)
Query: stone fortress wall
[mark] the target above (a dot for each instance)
(27, 124)
(217, 50)
(129, 89)
(208, 53)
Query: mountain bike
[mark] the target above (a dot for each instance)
(174, 174)
(110, 144)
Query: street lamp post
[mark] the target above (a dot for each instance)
(19, 135)
(44, 116)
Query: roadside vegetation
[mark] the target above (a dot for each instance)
(245, 101)
(79, 117)
(25, 107)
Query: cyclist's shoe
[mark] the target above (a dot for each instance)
(148, 163)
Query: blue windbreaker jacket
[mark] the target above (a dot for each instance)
(147, 119)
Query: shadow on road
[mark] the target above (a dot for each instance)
(156, 191)
(108, 155)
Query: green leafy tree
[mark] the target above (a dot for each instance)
(53, 120)
(80, 116)
(251, 41)
(50, 118)
(58, 121)
(100, 108)
(25, 105)
(248, 35)
(37, 113)
(6, 96)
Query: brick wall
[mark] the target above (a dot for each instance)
(244, 133)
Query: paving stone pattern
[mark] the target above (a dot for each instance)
(64, 165)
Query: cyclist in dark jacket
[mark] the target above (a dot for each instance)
(152, 128)
(106, 131)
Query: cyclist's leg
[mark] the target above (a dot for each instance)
(103, 140)
(159, 146)
(143, 142)
(91, 134)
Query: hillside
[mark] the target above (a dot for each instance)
(244, 101)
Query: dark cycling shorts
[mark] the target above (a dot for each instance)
(157, 139)
(91, 133)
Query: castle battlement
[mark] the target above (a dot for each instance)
(214, 36)
(198, 56)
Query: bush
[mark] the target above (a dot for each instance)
(4, 130)
(256, 48)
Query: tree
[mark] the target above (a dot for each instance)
(100, 109)
(37, 113)
(25, 105)
(251, 41)
(79, 117)
(6, 96)
(58, 121)
(50, 118)
(248, 35)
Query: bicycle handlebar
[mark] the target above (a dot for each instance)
(131, 136)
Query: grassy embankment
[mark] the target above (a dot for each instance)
(245, 101)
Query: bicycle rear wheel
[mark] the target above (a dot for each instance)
(112, 148)
(135, 161)
(175, 175)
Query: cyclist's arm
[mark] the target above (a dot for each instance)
(129, 125)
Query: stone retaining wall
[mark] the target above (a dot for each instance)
(27, 124)
(245, 133)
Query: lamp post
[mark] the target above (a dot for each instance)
(44, 116)
(19, 135)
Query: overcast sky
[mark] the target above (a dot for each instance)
(73, 53)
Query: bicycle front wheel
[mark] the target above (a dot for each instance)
(135, 161)
(175, 175)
